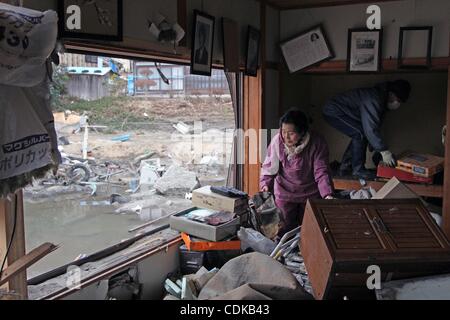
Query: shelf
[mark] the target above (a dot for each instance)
(434, 191)
(389, 65)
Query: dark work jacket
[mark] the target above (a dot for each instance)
(365, 107)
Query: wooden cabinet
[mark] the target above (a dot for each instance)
(341, 238)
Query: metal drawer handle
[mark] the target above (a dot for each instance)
(379, 225)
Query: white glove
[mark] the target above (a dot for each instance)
(388, 158)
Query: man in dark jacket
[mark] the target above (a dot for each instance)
(358, 114)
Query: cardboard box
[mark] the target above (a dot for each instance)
(388, 172)
(205, 198)
(424, 165)
(203, 230)
(394, 189)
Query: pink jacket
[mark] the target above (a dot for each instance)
(305, 176)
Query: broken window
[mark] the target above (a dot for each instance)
(136, 138)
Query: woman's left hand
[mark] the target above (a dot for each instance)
(329, 197)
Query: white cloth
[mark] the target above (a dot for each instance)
(274, 152)
(292, 151)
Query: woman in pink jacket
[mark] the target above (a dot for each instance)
(296, 168)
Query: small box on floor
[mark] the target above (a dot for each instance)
(388, 172)
(425, 165)
(190, 261)
(205, 198)
(181, 222)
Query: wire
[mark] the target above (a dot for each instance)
(12, 236)
(161, 74)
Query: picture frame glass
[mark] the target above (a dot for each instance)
(364, 51)
(98, 19)
(306, 49)
(203, 44)
(252, 58)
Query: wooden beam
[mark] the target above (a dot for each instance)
(262, 22)
(420, 189)
(389, 65)
(12, 221)
(296, 4)
(132, 48)
(252, 126)
(446, 205)
(26, 261)
(182, 19)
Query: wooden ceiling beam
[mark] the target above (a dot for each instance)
(300, 4)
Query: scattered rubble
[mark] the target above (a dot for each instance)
(177, 181)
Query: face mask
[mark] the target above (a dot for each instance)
(393, 105)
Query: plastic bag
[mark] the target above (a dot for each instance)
(25, 142)
(264, 214)
(27, 38)
(253, 239)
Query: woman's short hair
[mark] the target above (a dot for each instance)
(296, 117)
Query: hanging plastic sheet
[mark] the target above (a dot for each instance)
(27, 38)
(28, 144)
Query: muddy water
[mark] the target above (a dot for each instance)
(79, 226)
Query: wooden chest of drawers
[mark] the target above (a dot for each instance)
(340, 239)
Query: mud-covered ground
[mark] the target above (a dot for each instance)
(83, 220)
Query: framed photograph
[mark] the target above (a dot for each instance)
(306, 49)
(202, 43)
(252, 52)
(415, 44)
(231, 48)
(91, 19)
(364, 50)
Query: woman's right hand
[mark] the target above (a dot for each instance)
(265, 189)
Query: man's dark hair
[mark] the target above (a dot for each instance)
(296, 117)
(401, 88)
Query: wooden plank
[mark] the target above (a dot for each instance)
(389, 65)
(245, 127)
(3, 238)
(8, 214)
(301, 4)
(446, 205)
(26, 261)
(182, 19)
(434, 191)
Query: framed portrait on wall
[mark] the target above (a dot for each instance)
(94, 19)
(306, 49)
(415, 44)
(202, 43)
(364, 50)
(252, 52)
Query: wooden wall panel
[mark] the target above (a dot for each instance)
(446, 208)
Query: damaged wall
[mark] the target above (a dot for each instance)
(394, 14)
(271, 85)
(135, 25)
(417, 125)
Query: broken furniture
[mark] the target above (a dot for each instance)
(342, 238)
(424, 190)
